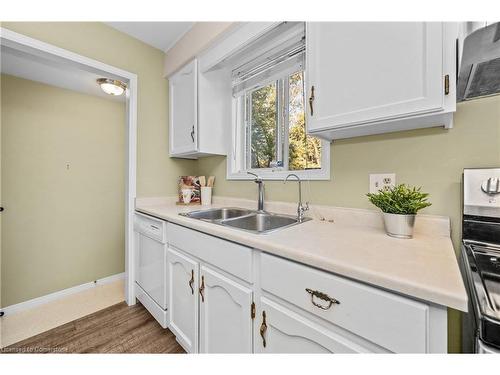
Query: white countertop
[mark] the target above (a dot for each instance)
(354, 245)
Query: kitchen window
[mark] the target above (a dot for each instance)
(269, 115)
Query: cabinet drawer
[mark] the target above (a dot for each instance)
(396, 323)
(151, 227)
(229, 256)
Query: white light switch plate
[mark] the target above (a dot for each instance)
(382, 181)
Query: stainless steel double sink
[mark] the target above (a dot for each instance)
(248, 220)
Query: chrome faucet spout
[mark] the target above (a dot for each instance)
(258, 180)
(301, 209)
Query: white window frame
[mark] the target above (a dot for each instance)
(236, 161)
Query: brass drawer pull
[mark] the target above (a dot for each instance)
(322, 296)
(311, 100)
(202, 288)
(263, 329)
(191, 282)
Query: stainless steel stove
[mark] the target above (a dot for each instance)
(481, 256)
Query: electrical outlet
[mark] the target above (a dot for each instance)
(382, 181)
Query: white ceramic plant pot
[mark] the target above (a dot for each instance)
(399, 226)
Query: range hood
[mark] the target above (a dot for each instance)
(480, 66)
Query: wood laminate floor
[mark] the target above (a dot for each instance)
(116, 329)
(21, 325)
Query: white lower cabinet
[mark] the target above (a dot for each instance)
(280, 330)
(225, 314)
(183, 299)
(210, 311)
(371, 313)
(223, 297)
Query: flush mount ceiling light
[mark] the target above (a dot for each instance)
(112, 86)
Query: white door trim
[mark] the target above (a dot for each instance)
(36, 47)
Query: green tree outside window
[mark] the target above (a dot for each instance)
(267, 126)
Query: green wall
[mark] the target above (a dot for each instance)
(156, 172)
(432, 158)
(62, 174)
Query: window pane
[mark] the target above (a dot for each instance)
(304, 152)
(263, 124)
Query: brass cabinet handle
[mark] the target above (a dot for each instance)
(263, 329)
(191, 282)
(192, 134)
(322, 296)
(202, 288)
(311, 100)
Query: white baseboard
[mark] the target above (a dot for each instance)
(26, 305)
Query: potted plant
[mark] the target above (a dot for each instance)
(399, 205)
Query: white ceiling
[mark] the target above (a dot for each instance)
(36, 68)
(161, 35)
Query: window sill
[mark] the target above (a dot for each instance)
(279, 175)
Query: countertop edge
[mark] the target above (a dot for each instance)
(441, 298)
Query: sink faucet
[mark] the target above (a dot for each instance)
(258, 180)
(300, 207)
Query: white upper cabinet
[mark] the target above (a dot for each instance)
(362, 78)
(183, 108)
(376, 77)
(199, 112)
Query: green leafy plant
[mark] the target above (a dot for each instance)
(401, 199)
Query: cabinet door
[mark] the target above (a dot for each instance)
(285, 331)
(372, 71)
(183, 110)
(225, 319)
(183, 299)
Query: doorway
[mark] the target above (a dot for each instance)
(61, 164)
